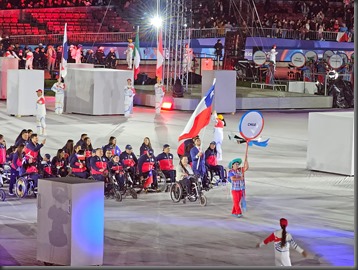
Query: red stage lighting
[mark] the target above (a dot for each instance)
(167, 105)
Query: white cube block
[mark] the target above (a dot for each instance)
(302, 87)
(225, 89)
(80, 65)
(21, 90)
(70, 221)
(6, 64)
(96, 91)
(331, 142)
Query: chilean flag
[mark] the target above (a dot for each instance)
(149, 180)
(160, 57)
(342, 37)
(63, 71)
(200, 117)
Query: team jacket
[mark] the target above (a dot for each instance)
(58, 163)
(33, 150)
(128, 160)
(165, 161)
(75, 163)
(145, 163)
(2, 154)
(115, 167)
(210, 158)
(98, 163)
(16, 161)
(46, 168)
(115, 149)
(144, 149)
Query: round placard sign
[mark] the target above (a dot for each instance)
(344, 57)
(335, 61)
(311, 55)
(259, 58)
(251, 125)
(327, 54)
(298, 59)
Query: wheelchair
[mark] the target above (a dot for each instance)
(5, 173)
(178, 192)
(111, 188)
(24, 186)
(214, 177)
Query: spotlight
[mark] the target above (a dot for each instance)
(156, 21)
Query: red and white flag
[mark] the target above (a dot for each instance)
(342, 37)
(200, 117)
(160, 57)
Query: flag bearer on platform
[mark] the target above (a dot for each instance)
(59, 88)
(129, 93)
(40, 113)
(129, 53)
(159, 95)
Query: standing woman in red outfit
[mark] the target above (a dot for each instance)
(236, 176)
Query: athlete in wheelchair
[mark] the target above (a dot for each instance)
(166, 167)
(215, 172)
(26, 183)
(189, 187)
(147, 171)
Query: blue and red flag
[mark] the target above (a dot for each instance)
(200, 117)
(149, 180)
(63, 71)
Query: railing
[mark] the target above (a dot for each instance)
(73, 38)
(195, 33)
(264, 32)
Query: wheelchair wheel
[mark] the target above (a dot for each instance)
(21, 187)
(118, 196)
(133, 193)
(203, 200)
(2, 195)
(162, 181)
(176, 192)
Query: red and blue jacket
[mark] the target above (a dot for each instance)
(146, 163)
(2, 154)
(211, 158)
(75, 164)
(98, 163)
(33, 150)
(16, 161)
(128, 160)
(165, 161)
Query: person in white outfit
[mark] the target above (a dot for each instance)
(218, 133)
(283, 240)
(40, 113)
(188, 59)
(129, 52)
(129, 93)
(59, 88)
(29, 59)
(159, 95)
(272, 55)
(78, 55)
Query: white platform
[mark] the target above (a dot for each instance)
(6, 64)
(70, 221)
(331, 142)
(79, 65)
(302, 87)
(225, 89)
(21, 91)
(96, 91)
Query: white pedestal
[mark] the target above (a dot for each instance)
(302, 87)
(21, 90)
(70, 221)
(331, 142)
(96, 91)
(6, 64)
(225, 89)
(79, 65)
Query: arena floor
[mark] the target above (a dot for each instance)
(154, 231)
